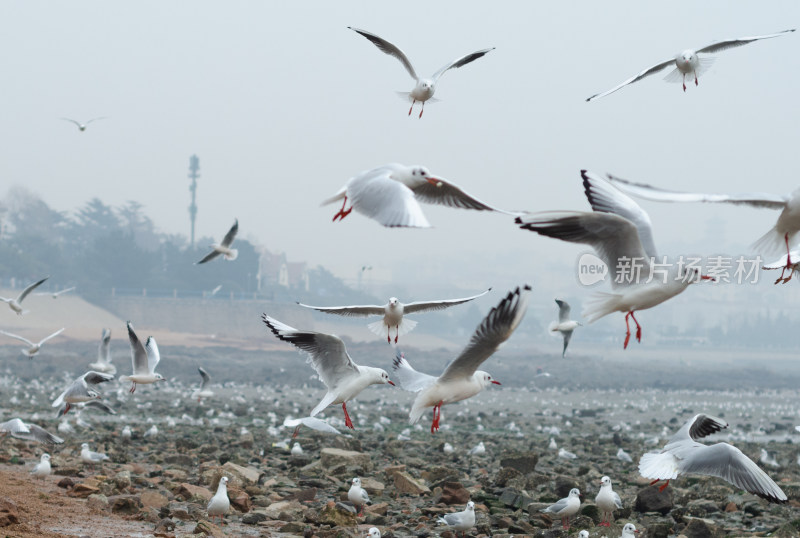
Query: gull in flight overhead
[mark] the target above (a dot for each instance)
(688, 62)
(684, 455)
(15, 304)
(393, 313)
(425, 87)
(564, 325)
(224, 247)
(203, 392)
(461, 378)
(32, 349)
(390, 194)
(620, 232)
(83, 389)
(82, 126)
(328, 355)
(782, 234)
(55, 294)
(103, 363)
(30, 432)
(145, 359)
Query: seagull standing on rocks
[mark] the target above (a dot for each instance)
(87, 456)
(425, 87)
(566, 507)
(145, 359)
(478, 450)
(15, 304)
(297, 450)
(684, 455)
(607, 501)
(373, 533)
(461, 378)
(219, 503)
(42, 469)
(393, 313)
(461, 521)
(624, 456)
(358, 496)
(328, 355)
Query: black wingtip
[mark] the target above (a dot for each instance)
(397, 358)
(518, 220)
(526, 287)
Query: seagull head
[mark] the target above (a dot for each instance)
(385, 377)
(374, 533)
(470, 506)
(485, 379)
(574, 492)
(85, 446)
(159, 377)
(93, 394)
(357, 481)
(605, 481)
(393, 302)
(629, 529)
(45, 457)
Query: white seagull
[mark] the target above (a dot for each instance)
(461, 521)
(393, 313)
(32, 349)
(328, 355)
(781, 235)
(145, 358)
(82, 126)
(607, 501)
(566, 507)
(103, 363)
(564, 325)
(311, 422)
(55, 294)
(224, 246)
(15, 304)
(425, 87)
(358, 496)
(42, 469)
(684, 455)
(374, 532)
(629, 531)
(203, 391)
(30, 432)
(82, 390)
(620, 231)
(390, 194)
(87, 456)
(219, 503)
(689, 62)
(461, 378)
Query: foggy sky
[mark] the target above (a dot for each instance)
(282, 103)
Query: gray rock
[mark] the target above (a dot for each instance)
(524, 462)
(650, 499)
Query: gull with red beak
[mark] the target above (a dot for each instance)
(620, 232)
(461, 378)
(688, 62)
(390, 194)
(328, 355)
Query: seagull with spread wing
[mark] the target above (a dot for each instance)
(30, 432)
(684, 455)
(328, 355)
(83, 389)
(425, 87)
(82, 126)
(689, 62)
(224, 247)
(103, 363)
(390, 195)
(203, 391)
(15, 304)
(779, 236)
(33, 348)
(564, 325)
(393, 313)
(621, 234)
(461, 378)
(145, 358)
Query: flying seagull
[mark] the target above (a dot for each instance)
(55, 294)
(82, 126)
(564, 325)
(688, 62)
(390, 194)
(684, 455)
(30, 432)
(14, 304)
(32, 349)
(83, 389)
(223, 247)
(393, 313)
(103, 363)
(425, 87)
(145, 358)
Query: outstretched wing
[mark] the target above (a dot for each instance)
(496, 328)
(94, 378)
(738, 42)
(438, 191)
(430, 306)
(138, 352)
(389, 49)
(29, 289)
(563, 310)
(326, 352)
(46, 338)
(350, 311)
(94, 404)
(636, 78)
(18, 337)
(153, 356)
(408, 378)
(231, 235)
(205, 378)
(460, 62)
(210, 256)
(312, 422)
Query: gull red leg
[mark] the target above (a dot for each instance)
(67, 409)
(695, 78)
(347, 421)
(627, 331)
(133, 388)
(638, 328)
(412, 106)
(397, 334)
(421, 110)
(296, 431)
(788, 265)
(684, 82)
(663, 486)
(342, 213)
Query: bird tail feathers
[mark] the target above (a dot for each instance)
(381, 329)
(658, 466)
(601, 304)
(233, 255)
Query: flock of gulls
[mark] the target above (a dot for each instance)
(616, 227)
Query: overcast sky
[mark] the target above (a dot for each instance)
(282, 103)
